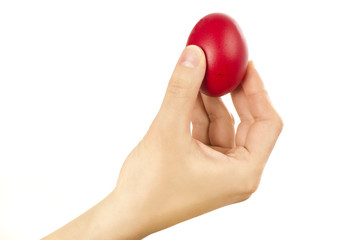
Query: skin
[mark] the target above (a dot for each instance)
(175, 174)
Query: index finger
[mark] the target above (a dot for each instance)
(266, 125)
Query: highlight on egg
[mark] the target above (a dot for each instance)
(225, 48)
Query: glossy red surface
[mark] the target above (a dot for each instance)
(226, 52)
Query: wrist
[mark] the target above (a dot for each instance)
(113, 218)
(109, 219)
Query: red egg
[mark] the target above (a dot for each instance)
(226, 53)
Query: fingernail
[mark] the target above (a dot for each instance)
(190, 57)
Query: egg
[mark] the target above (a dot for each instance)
(225, 48)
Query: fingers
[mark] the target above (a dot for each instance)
(183, 88)
(242, 106)
(254, 107)
(221, 129)
(200, 122)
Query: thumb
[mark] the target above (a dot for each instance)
(183, 87)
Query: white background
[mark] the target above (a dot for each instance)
(81, 81)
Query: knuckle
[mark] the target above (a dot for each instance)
(275, 121)
(279, 122)
(224, 117)
(254, 177)
(247, 197)
(232, 119)
(212, 116)
(178, 87)
(247, 189)
(248, 180)
(253, 187)
(200, 121)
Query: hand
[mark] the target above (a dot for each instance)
(173, 175)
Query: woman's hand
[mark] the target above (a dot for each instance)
(173, 175)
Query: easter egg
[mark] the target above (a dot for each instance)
(226, 52)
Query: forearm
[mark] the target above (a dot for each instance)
(106, 220)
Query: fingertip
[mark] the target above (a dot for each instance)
(251, 70)
(252, 82)
(251, 64)
(193, 56)
(198, 49)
